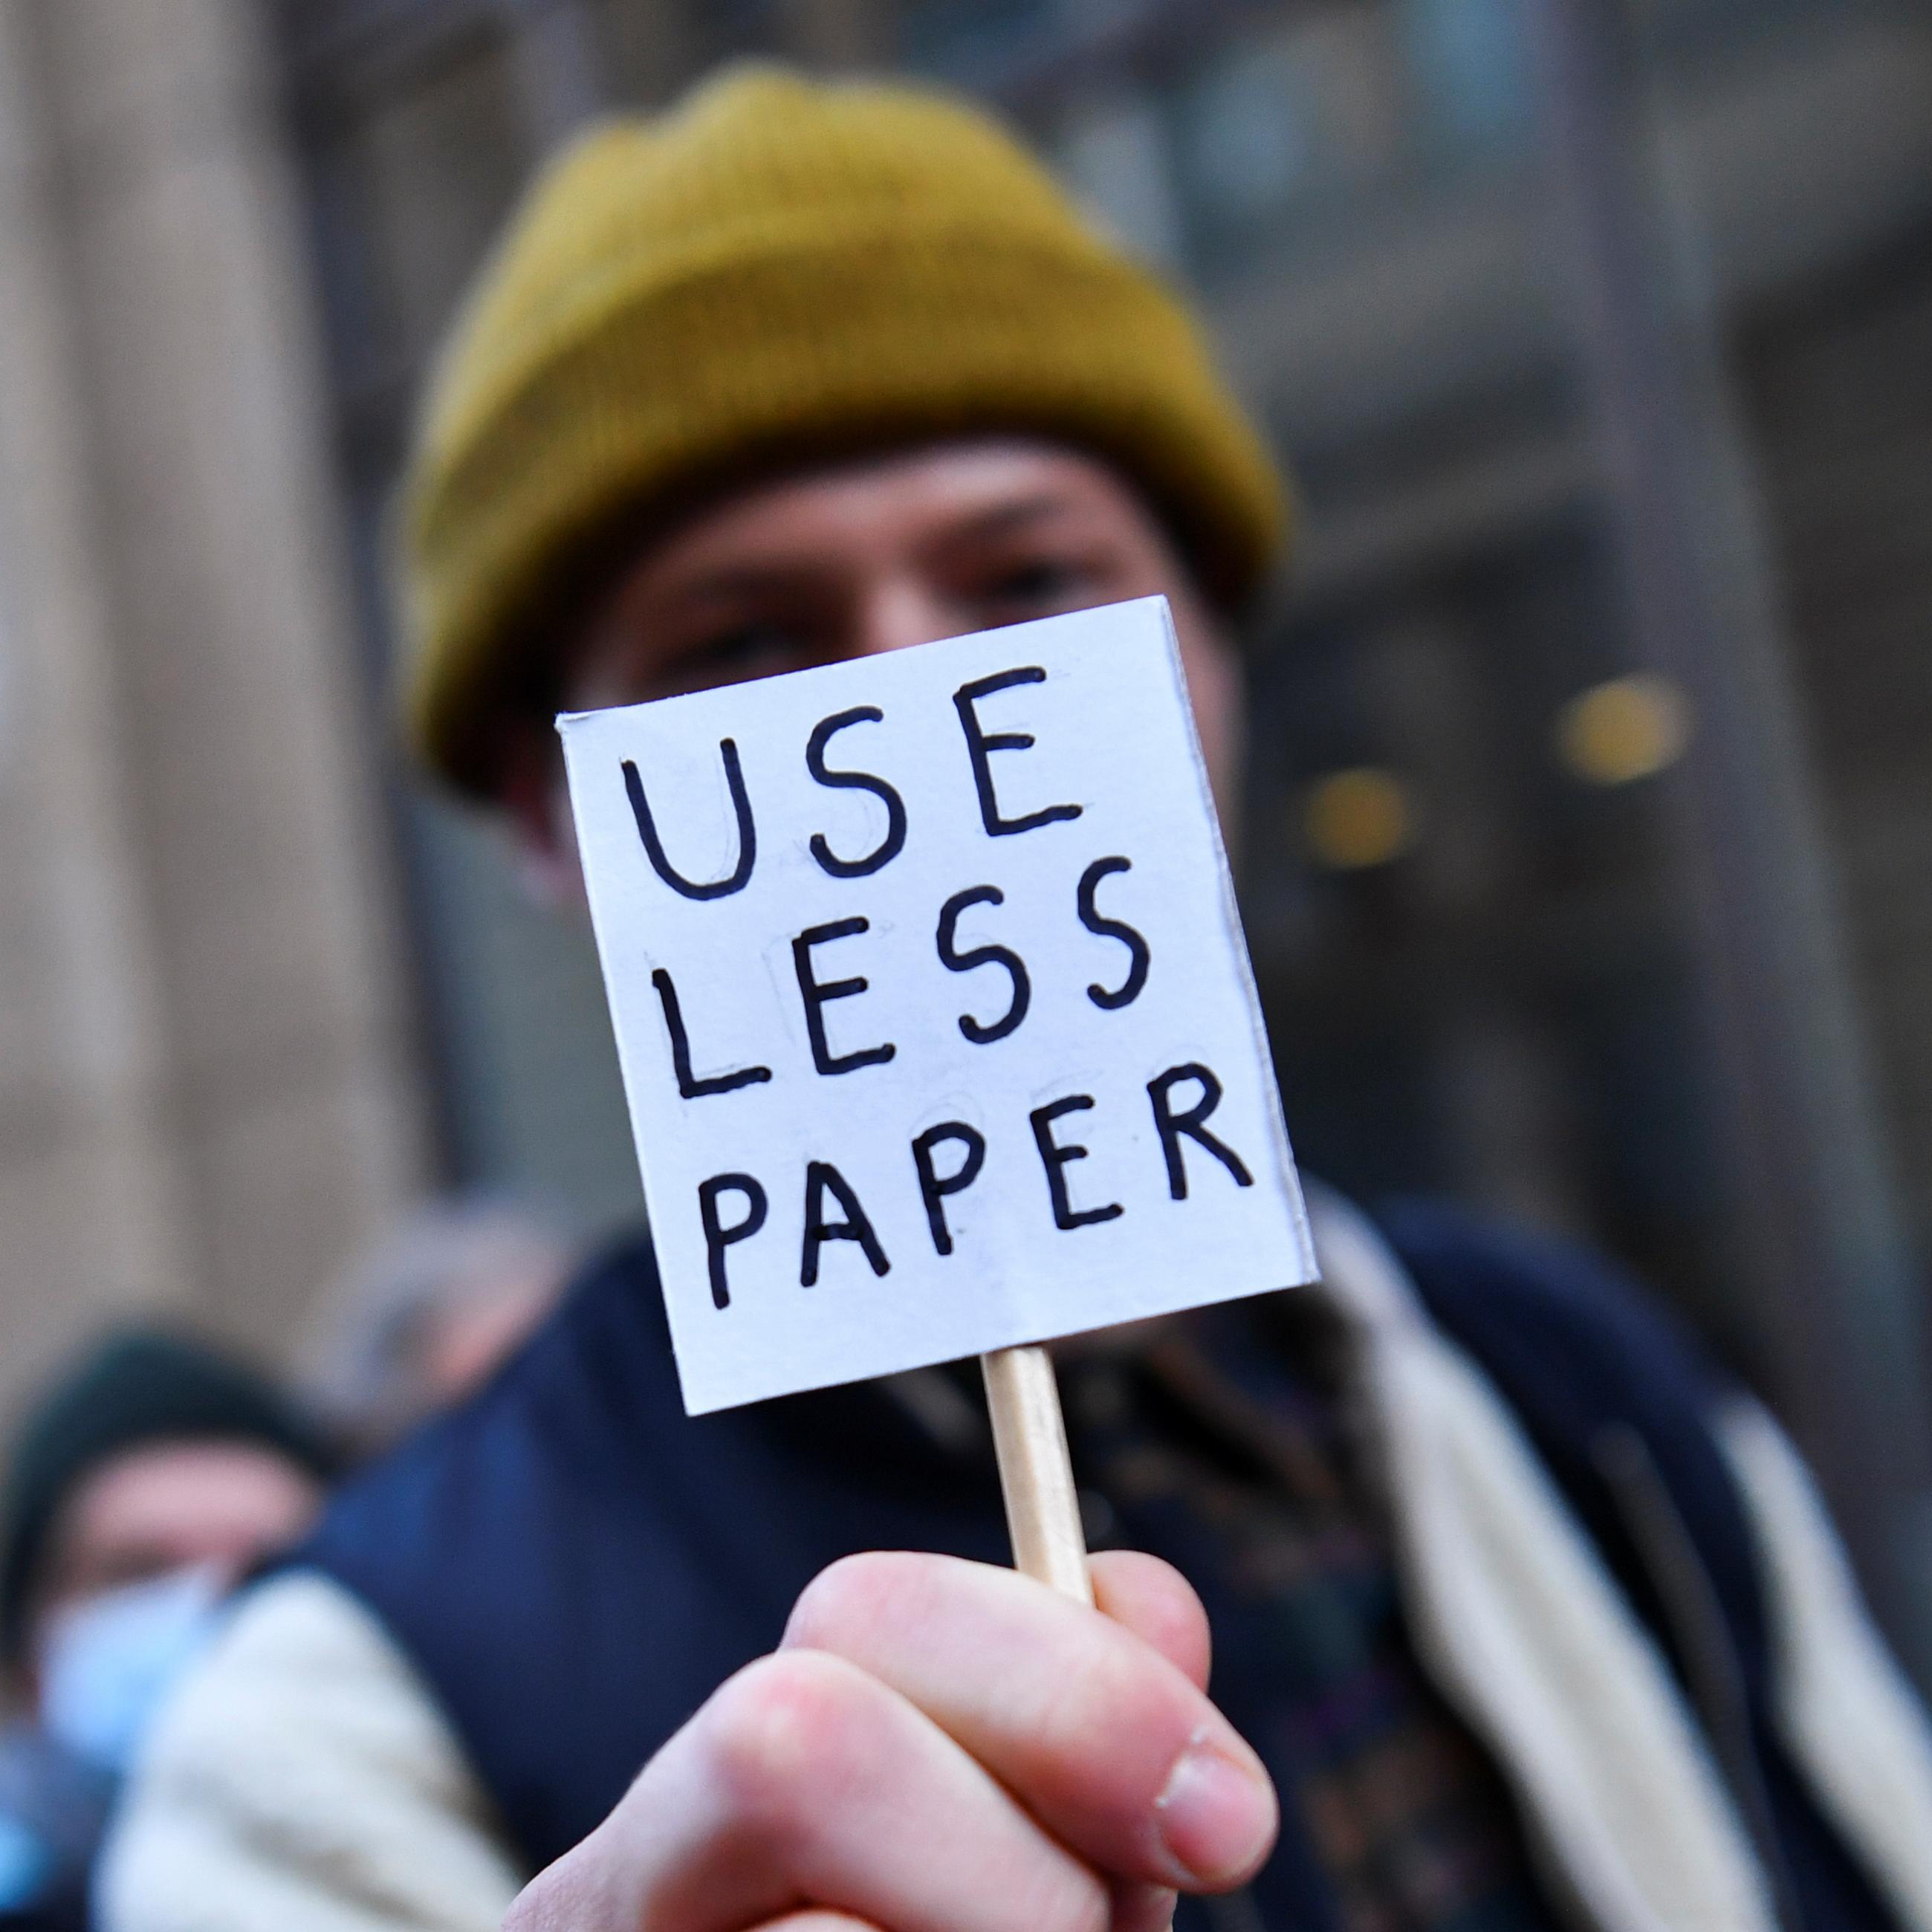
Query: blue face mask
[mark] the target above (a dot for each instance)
(26, 1865)
(106, 1664)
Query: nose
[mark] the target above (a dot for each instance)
(901, 609)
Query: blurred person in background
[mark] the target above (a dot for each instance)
(145, 1483)
(1521, 1619)
(432, 1312)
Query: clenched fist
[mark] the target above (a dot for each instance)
(937, 1746)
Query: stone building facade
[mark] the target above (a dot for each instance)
(209, 1083)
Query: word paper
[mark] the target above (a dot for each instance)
(935, 1017)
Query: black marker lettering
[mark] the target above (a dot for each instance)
(680, 1050)
(1172, 1126)
(890, 847)
(956, 961)
(1055, 1159)
(817, 996)
(717, 1237)
(747, 837)
(822, 1178)
(980, 745)
(933, 1187)
(1095, 921)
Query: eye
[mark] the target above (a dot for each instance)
(1038, 583)
(738, 653)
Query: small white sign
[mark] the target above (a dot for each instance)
(935, 1017)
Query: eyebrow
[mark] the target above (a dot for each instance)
(725, 581)
(738, 579)
(1002, 517)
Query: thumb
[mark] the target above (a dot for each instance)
(1158, 1604)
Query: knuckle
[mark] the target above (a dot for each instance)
(774, 1734)
(847, 1596)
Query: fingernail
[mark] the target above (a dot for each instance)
(1216, 1816)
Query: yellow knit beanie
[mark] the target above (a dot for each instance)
(779, 271)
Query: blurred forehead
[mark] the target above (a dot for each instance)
(898, 508)
(181, 1496)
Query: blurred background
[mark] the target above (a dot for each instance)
(1588, 855)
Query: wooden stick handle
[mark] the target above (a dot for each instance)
(1035, 1473)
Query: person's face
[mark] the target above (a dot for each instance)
(170, 1506)
(869, 557)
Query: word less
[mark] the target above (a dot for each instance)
(936, 1022)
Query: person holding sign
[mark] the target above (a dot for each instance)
(1518, 1620)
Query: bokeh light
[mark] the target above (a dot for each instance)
(1354, 819)
(1628, 728)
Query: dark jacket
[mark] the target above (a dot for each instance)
(573, 1565)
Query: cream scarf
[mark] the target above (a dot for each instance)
(1524, 1631)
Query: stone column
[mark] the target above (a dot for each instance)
(207, 1080)
(91, 1200)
